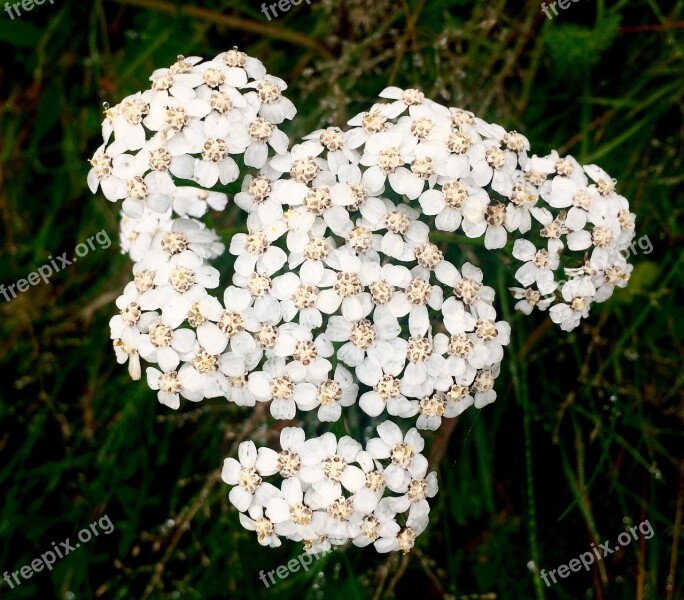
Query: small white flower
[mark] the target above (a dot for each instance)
(282, 384)
(133, 312)
(605, 184)
(403, 231)
(493, 226)
(578, 295)
(268, 97)
(165, 345)
(437, 406)
(240, 66)
(615, 275)
(428, 162)
(185, 274)
(255, 252)
(201, 375)
(236, 384)
(424, 367)
(312, 260)
(454, 203)
(386, 393)
(458, 400)
(215, 164)
(169, 386)
(539, 168)
(492, 165)
(223, 106)
(366, 124)
(263, 527)
(413, 300)
(179, 80)
(335, 393)
(190, 234)
(493, 335)
(403, 451)
(372, 527)
(461, 347)
(126, 350)
(136, 235)
(338, 152)
(253, 138)
(297, 299)
(256, 196)
(245, 475)
(302, 163)
(384, 153)
(158, 164)
(346, 291)
(368, 348)
(411, 99)
(310, 355)
(194, 202)
(468, 287)
(231, 326)
(539, 264)
(382, 282)
(404, 540)
(583, 203)
(125, 121)
(267, 308)
(334, 471)
(523, 198)
(290, 516)
(297, 452)
(420, 488)
(370, 495)
(529, 299)
(111, 168)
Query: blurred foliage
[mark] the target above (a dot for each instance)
(586, 435)
(573, 49)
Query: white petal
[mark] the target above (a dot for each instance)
(211, 338)
(240, 498)
(247, 454)
(353, 478)
(267, 461)
(231, 471)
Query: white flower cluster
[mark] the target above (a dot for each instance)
(585, 214)
(339, 295)
(332, 491)
(187, 127)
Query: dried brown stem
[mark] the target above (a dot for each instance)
(234, 22)
(189, 511)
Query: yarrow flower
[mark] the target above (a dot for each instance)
(332, 491)
(341, 292)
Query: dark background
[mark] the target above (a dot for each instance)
(586, 436)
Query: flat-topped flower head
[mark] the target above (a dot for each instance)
(342, 288)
